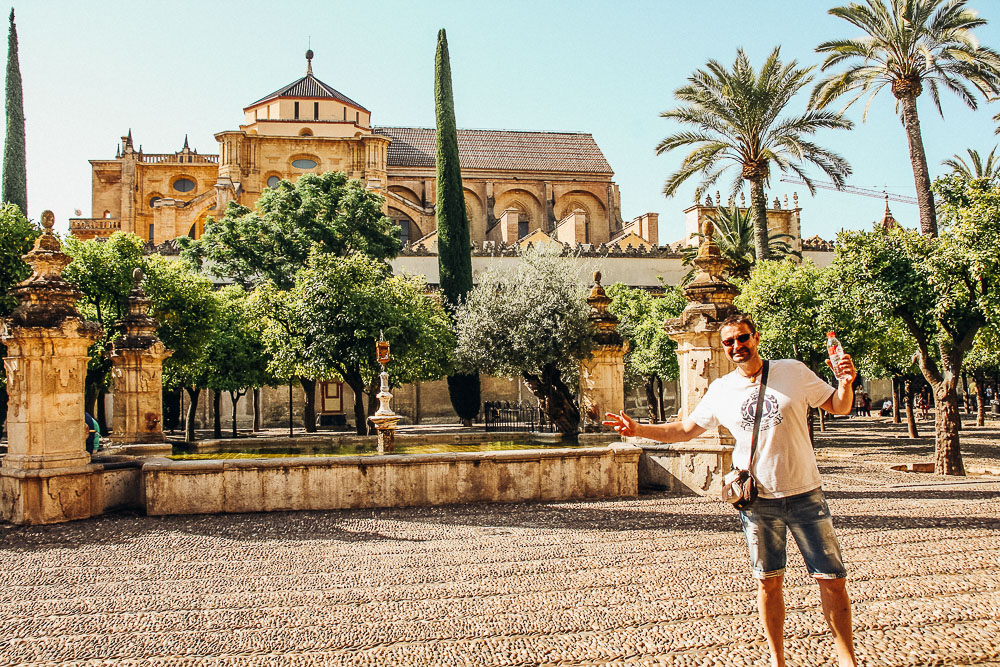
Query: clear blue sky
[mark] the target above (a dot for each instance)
(92, 70)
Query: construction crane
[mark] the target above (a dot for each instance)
(850, 189)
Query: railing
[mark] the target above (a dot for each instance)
(190, 158)
(514, 416)
(94, 223)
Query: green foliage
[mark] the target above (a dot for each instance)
(735, 115)
(922, 42)
(734, 234)
(786, 301)
(183, 303)
(977, 167)
(521, 318)
(326, 211)
(236, 357)
(641, 316)
(453, 241)
(327, 325)
(15, 180)
(17, 236)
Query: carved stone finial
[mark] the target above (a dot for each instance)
(718, 198)
(309, 61)
(795, 199)
(786, 201)
(597, 277)
(708, 200)
(777, 203)
(743, 201)
(48, 220)
(137, 277)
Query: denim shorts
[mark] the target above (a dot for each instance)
(766, 523)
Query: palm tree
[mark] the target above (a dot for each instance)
(735, 114)
(988, 168)
(735, 236)
(909, 43)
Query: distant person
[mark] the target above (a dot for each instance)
(924, 404)
(93, 433)
(866, 404)
(784, 465)
(886, 410)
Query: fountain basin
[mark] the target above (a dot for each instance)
(341, 482)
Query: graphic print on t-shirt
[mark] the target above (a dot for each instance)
(770, 418)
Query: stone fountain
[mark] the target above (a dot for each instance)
(384, 419)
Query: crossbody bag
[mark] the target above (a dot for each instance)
(739, 486)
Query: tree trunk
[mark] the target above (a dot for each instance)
(897, 391)
(309, 405)
(102, 413)
(918, 160)
(661, 411)
(947, 451)
(256, 409)
(191, 411)
(556, 399)
(758, 202)
(979, 382)
(216, 414)
(360, 416)
(911, 423)
(234, 396)
(650, 387)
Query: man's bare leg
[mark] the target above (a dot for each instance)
(771, 605)
(837, 611)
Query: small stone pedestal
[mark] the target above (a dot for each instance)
(602, 376)
(137, 364)
(46, 475)
(699, 464)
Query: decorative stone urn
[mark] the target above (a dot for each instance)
(44, 476)
(136, 372)
(384, 419)
(602, 376)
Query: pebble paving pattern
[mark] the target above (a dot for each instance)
(658, 580)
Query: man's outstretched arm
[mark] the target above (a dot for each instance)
(669, 432)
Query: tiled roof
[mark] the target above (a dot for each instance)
(308, 86)
(500, 149)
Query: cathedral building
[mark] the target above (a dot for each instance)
(516, 183)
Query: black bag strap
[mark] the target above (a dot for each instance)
(758, 413)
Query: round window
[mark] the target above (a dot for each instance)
(273, 181)
(152, 201)
(184, 185)
(304, 163)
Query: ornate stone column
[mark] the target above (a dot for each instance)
(136, 373)
(45, 475)
(699, 464)
(602, 376)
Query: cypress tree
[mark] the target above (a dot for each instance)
(453, 242)
(15, 180)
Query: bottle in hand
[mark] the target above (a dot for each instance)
(836, 352)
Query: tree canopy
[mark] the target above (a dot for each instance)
(530, 320)
(736, 116)
(328, 211)
(907, 45)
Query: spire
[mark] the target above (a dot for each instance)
(185, 143)
(888, 222)
(128, 140)
(309, 61)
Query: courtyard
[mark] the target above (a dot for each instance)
(661, 579)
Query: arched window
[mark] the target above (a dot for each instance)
(272, 181)
(184, 185)
(305, 132)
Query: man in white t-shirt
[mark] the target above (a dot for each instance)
(791, 494)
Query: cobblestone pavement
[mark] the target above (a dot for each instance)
(658, 580)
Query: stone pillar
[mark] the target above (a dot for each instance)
(136, 373)
(45, 476)
(699, 464)
(602, 376)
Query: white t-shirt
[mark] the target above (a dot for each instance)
(785, 464)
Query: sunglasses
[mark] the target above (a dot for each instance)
(743, 337)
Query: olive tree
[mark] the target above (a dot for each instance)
(530, 320)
